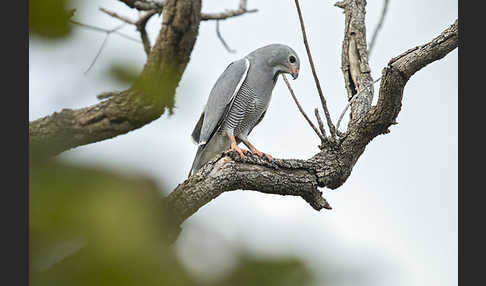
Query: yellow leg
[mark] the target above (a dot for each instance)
(234, 147)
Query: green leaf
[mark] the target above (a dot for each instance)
(49, 18)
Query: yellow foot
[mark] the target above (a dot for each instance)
(240, 151)
(260, 154)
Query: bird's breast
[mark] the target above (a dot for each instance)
(246, 110)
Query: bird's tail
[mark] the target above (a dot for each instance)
(205, 152)
(196, 164)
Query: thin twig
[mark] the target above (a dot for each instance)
(316, 79)
(319, 121)
(103, 30)
(228, 14)
(140, 24)
(352, 100)
(220, 37)
(97, 54)
(102, 46)
(378, 26)
(115, 15)
(323, 139)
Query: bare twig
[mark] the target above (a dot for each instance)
(319, 121)
(103, 46)
(323, 139)
(316, 79)
(103, 30)
(115, 15)
(97, 54)
(224, 15)
(220, 37)
(352, 100)
(144, 5)
(228, 14)
(378, 26)
(140, 24)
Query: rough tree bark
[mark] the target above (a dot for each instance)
(333, 164)
(144, 102)
(329, 167)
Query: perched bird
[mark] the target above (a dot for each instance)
(238, 101)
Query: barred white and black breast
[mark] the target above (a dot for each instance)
(245, 112)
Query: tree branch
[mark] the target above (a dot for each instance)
(323, 139)
(220, 37)
(229, 173)
(354, 56)
(314, 73)
(142, 103)
(351, 102)
(115, 15)
(103, 30)
(144, 5)
(139, 24)
(331, 166)
(228, 14)
(154, 91)
(399, 71)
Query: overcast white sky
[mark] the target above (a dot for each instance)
(395, 219)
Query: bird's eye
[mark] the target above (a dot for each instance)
(292, 59)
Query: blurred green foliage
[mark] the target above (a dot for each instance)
(123, 73)
(268, 272)
(49, 18)
(89, 226)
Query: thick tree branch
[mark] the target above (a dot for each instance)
(331, 166)
(229, 173)
(154, 90)
(142, 103)
(150, 95)
(354, 56)
(399, 71)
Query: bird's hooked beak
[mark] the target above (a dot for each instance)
(294, 72)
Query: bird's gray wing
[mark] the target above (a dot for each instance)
(221, 98)
(196, 133)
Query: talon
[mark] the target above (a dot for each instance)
(253, 150)
(269, 157)
(237, 149)
(258, 153)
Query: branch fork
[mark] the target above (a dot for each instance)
(330, 167)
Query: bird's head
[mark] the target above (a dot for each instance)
(281, 58)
